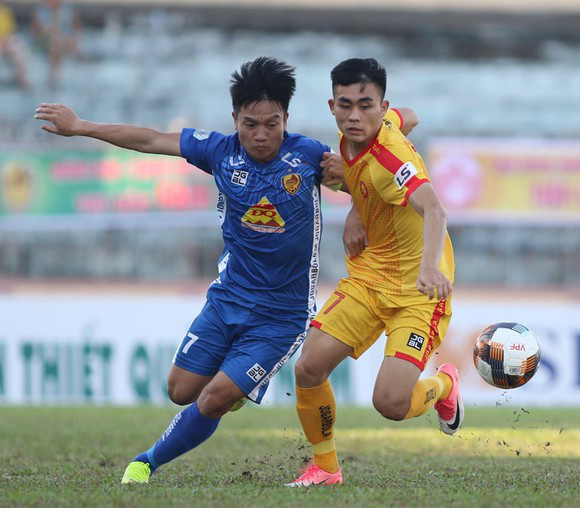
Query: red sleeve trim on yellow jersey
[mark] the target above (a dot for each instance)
(316, 324)
(386, 158)
(412, 186)
(400, 117)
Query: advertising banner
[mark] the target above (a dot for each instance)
(117, 349)
(487, 179)
(112, 184)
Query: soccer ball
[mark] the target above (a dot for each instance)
(506, 355)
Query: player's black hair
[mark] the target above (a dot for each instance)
(360, 70)
(265, 78)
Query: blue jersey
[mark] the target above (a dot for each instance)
(270, 219)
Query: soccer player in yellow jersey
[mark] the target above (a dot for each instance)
(399, 284)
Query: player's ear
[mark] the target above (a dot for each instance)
(286, 120)
(235, 117)
(384, 107)
(331, 105)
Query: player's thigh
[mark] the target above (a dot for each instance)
(416, 331)
(395, 382)
(349, 316)
(201, 352)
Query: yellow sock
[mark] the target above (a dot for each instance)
(316, 410)
(447, 385)
(428, 392)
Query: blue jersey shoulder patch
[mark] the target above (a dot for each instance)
(200, 147)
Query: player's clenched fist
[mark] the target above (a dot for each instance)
(64, 121)
(332, 173)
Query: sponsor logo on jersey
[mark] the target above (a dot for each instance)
(239, 177)
(293, 162)
(263, 217)
(415, 341)
(200, 134)
(236, 161)
(256, 372)
(363, 190)
(405, 173)
(291, 183)
(221, 207)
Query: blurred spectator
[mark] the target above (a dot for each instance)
(58, 29)
(10, 46)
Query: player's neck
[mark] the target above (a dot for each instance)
(354, 149)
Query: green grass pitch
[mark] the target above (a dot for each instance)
(501, 457)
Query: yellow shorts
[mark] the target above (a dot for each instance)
(357, 316)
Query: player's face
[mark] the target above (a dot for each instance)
(261, 127)
(359, 111)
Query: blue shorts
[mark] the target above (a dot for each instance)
(248, 346)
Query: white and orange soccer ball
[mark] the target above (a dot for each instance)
(506, 355)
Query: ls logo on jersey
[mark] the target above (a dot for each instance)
(292, 162)
(405, 173)
(263, 217)
(236, 161)
(291, 183)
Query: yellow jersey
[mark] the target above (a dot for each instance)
(380, 179)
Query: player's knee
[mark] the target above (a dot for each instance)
(215, 401)
(307, 374)
(391, 408)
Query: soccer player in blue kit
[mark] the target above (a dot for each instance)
(259, 308)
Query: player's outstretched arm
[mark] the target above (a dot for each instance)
(431, 281)
(410, 120)
(65, 122)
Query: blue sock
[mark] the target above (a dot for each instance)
(188, 429)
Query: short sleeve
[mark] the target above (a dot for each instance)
(200, 148)
(313, 151)
(398, 173)
(394, 116)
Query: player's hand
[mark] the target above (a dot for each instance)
(64, 121)
(331, 165)
(354, 236)
(432, 282)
